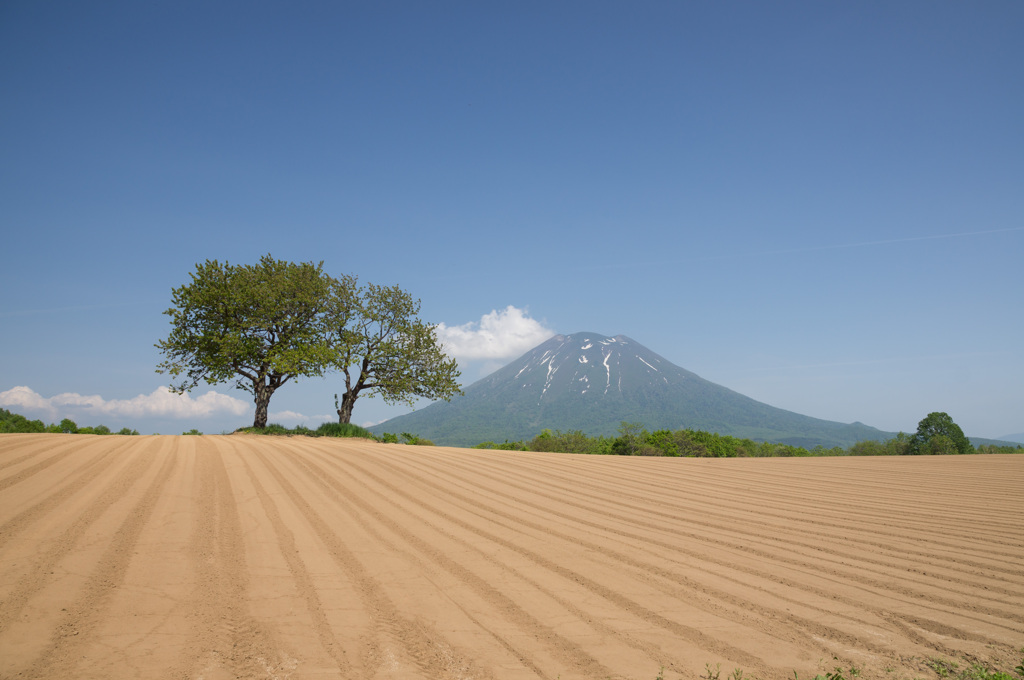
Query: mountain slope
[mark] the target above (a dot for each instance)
(591, 382)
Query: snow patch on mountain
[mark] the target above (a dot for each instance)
(608, 371)
(651, 367)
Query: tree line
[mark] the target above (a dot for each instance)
(934, 437)
(15, 422)
(266, 324)
(936, 434)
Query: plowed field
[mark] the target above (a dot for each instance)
(261, 557)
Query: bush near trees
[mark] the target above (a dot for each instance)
(267, 324)
(325, 430)
(338, 430)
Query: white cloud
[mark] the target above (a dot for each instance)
(282, 416)
(161, 402)
(504, 334)
(296, 418)
(23, 397)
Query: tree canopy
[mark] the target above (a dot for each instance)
(266, 324)
(383, 347)
(938, 434)
(261, 325)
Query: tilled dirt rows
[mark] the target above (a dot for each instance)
(242, 557)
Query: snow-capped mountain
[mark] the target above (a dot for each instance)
(592, 382)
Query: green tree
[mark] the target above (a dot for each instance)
(631, 441)
(15, 422)
(938, 434)
(898, 445)
(713, 444)
(687, 445)
(261, 325)
(664, 441)
(867, 448)
(383, 347)
(573, 441)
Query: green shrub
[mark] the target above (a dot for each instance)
(343, 430)
(416, 440)
(325, 430)
(505, 446)
(573, 441)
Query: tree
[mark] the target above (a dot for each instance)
(938, 434)
(262, 325)
(898, 445)
(382, 347)
(630, 441)
(867, 448)
(664, 441)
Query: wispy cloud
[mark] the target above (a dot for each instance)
(161, 403)
(501, 334)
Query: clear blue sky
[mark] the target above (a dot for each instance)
(818, 205)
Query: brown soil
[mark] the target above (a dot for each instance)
(262, 557)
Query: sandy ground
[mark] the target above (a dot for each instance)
(243, 557)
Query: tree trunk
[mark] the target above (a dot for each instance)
(263, 393)
(348, 400)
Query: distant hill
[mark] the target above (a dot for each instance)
(1015, 438)
(591, 382)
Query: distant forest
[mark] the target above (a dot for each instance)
(14, 422)
(633, 440)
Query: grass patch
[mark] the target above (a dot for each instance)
(336, 430)
(342, 430)
(325, 430)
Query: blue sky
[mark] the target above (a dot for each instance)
(818, 205)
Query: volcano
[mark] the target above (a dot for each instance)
(591, 382)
